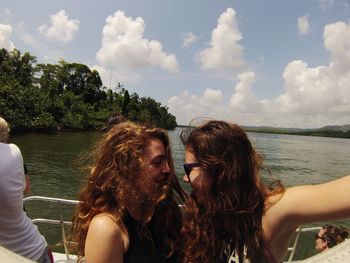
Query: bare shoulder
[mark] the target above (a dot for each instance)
(279, 219)
(103, 222)
(278, 229)
(107, 226)
(106, 239)
(276, 213)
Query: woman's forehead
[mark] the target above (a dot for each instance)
(189, 156)
(154, 147)
(322, 231)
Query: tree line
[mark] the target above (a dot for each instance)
(309, 132)
(48, 97)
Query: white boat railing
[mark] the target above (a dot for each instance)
(294, 244)
(62, 223)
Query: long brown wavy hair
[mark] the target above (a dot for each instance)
(116, 169)
(231, 219)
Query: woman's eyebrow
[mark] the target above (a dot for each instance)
(159, 156)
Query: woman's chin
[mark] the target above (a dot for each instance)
(200, 199)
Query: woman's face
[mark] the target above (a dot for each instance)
(156, 170)
(320, 242)
(200, 182)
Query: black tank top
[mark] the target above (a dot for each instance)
(141, 249)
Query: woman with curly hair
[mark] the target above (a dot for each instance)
(330, 236)
(129, 206)
(232, 216)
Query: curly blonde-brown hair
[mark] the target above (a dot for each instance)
(117, 167)
(4, 130)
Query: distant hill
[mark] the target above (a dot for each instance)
(342, 131)
(272, 129)
(343, 128)
(336, 131)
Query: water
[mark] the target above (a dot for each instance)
(54, 170)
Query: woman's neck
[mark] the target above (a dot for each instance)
(136, 209)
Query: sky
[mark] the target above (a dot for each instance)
(252, 62)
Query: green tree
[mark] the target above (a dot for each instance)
(66, 95)
(125, 102)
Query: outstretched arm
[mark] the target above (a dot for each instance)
(313, 203)
(301, 205)
(106, 241)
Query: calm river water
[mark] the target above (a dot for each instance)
(54, 171)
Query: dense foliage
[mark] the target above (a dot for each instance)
(67, 96)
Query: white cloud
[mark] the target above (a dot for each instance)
(61, 28)
(26, 37)
(326, 4)
(322, 92)
(225, 52)
(48, 53)
(212, 97)
(112, 76)
(124, 47)
(188, 39)
(336, 40)
(189, 107)
(303, 25)
(5, 34)
(243, 99)
(312, 97)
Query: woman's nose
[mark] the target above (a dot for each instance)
(166, 168)
(185, 179)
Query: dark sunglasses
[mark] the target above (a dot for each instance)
(317, 236)
(327, 226)
(189, 166)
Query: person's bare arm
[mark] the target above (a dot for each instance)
(106, 241)
(301, 205)
(27, 189)
(314, 203)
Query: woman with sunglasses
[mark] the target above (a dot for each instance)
(232, 216)
(330, 236)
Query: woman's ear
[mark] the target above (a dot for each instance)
(324, 244)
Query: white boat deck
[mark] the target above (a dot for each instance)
(62, 258)
(338, 254)
(10, 257)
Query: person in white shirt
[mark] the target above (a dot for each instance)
(17, 232)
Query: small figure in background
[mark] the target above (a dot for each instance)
(113, 120)
(330, 236)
